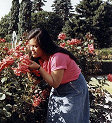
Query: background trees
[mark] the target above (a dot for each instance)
(103, 25)
(85, 11)
(37, 5)
(48, 20)
(4, 24)
(25, 16)
(94, 17)
(90, 16)
(62, 8)
(14, 17)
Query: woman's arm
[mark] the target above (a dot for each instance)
(54, 79)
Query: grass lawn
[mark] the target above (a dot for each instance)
(107, 86)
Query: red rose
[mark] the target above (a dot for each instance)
(62, 36)
(109, 77)
(36, 102)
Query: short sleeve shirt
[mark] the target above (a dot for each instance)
(63, 61)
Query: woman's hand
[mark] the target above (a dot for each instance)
(54, 79)
(34, 65)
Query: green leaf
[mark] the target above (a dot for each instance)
(4, 79)
(7, 114)
(1, 111)
(1, 90)
(8, 107)
(5, 89)
(8, 93)
(1, 105)
(2, 96)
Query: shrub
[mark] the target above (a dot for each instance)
(21, 100)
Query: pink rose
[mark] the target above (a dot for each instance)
(62, 45)
(90, 48)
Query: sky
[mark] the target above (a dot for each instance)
(5, 6)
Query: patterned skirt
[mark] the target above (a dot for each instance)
(69, 103)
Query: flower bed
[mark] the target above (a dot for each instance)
(22, 100)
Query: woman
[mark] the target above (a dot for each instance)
(69, 100)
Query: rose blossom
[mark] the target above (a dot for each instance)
(62, 45)
(62, 36)
(90, 48)
(2, 40)
(6, 62)
(74, 42)
(109, 77)
(22, 68)
(36, 102)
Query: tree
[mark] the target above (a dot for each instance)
(94, 16)
(63, 8)
(37, 5)
(48, 20)
(103, 24)
(84, 18)
(68, 28)
(14, 17)
(4, 24)
(25, 16)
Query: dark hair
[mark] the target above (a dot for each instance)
(46, 44)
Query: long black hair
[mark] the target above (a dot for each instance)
(46, 44)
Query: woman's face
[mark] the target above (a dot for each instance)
(36, 51)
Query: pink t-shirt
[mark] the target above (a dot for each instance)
(63, 61)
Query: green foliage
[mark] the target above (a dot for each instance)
(4, 24)
(68, 28)
(39, 19)
(25, 16)
(13, 98)
(102, 25)
(14, 17)
(94, 17)
(16, 98)
(90, 16)
(105, 54)
(62, 8)
(37, 5)
(84, 16)
(48, 20)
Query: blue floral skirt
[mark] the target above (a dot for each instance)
(69, 103)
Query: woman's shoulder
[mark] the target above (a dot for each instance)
(60, 54)
(59, 57)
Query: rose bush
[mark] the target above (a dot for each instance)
(100, 99)
(21, 99)
(84, 51)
